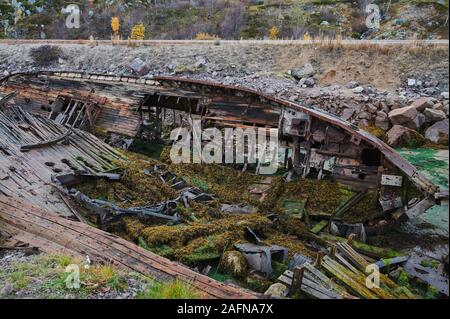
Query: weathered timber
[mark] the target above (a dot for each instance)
(39, 227)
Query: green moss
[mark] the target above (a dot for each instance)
(403, 278)
(431, 293)
(375, 131)
(220, 276)
(429, 263)
(277, 269)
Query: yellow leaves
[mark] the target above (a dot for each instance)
(206, 36)
(274, 33)
(138, 32)
(306, 36)
(115, 24)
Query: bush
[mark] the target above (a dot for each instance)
(138, 32)
(169, 290)
(46, 54)
(274, 33)
(206, 36)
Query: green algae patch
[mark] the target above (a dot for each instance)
(429, 162)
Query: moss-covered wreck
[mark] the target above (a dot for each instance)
(332, 174)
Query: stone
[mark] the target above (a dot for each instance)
(390, 99)
(444, 95)
(422, 103)
(306, 71)
(365, 115)
(358, 89)
(407, 116)
(371, 108)
(277, 290)
(382, 121)
(200, 61)
(233, 262)
(438, 132)
(412, 82)
(7, 290)
(432, 116)
(438, 106)
(139, 66)
(402, 136)
(347, 114)
(307, 82)
(363, 123)
(352, 84)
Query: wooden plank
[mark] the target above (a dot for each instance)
(84, 238)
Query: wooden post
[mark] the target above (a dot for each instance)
(318, 261)
(297, 278)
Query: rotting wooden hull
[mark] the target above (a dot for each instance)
(126, 100)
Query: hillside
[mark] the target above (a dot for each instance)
(227, 19)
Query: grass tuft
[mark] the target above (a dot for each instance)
(169, 290)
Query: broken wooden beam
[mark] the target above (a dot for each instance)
(53, 234)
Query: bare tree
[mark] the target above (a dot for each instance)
(299, 19)
(233, 21)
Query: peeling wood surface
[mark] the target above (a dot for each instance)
(28, 174)
(123, 93)
(52, 233)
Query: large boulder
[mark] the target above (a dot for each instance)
(234, 263)
(407, 116)
(402, 136)
(438, 132)
(422, 103)
(306, 71)
(432, 116)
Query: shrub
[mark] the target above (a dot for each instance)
(138, 32)
(46, 54)
(274, 33)
(115, 25)
(206, 36)
(169, 290)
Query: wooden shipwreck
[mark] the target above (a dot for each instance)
(44, 148)
(316, 141)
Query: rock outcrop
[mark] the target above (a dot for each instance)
(402, 136)
(438, 132)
